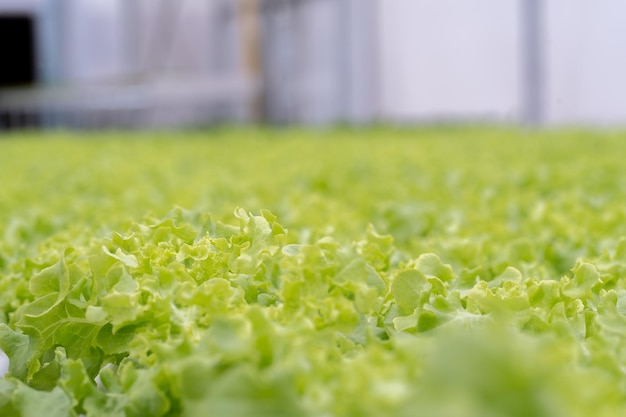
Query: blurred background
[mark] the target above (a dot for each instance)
(164, 63)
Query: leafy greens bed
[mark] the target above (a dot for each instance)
(380, 272)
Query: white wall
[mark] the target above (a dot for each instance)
(174, 35)
(92, 40)
(585, 62)
(446, 59)
(109, 39)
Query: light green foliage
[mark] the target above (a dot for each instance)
(452, 273)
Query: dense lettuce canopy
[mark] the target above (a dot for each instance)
(442, 272)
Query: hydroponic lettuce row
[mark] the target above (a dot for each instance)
(475, 272)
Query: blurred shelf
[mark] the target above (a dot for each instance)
(157, 102)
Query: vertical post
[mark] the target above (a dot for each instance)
(345, 44)
(251, 53)
(131, 16)
(278, 61)
(50, 42)
(362, 56)
(51, 55)
(532, 62)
